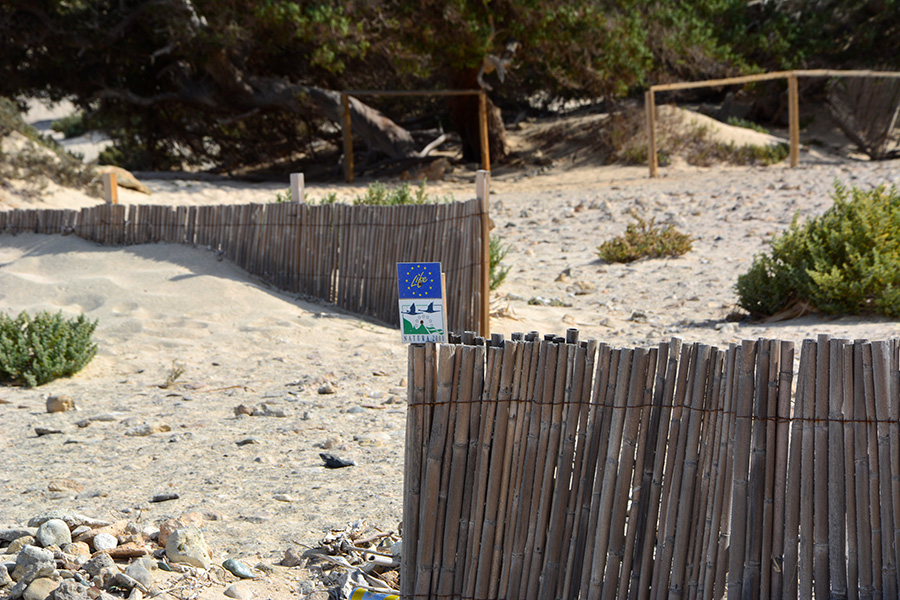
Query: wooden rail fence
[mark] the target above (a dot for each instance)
(343, 254)
(553, 468)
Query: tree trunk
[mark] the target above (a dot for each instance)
(464, 116)
(378, 132)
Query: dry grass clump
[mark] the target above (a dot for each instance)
(645, 239)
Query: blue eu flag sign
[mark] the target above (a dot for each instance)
(422, 317)
(419, 280)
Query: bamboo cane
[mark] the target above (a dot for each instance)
(881, 392)
(561, 452)
(756, 486)
(429, 537)
(671, 478)
(822, 574)
(772, 382)
(554, 390)
(703, 501)
(468, 507)
(868, 576)
(879, 578)
(687, 460)
(456, 484)
(743, 423)
(607, 497)
(482, 470)
(782, 431)
(637, 517)
(663, 401)
(412, 467)
(807, 480)
(837, 508)
(597, 430)
(854, 582)
(616, 546)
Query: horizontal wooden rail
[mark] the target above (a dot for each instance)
(793, 104)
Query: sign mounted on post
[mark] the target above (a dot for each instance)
(422, 315)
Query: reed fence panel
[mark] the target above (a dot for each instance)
(565, 469)
(342, 254)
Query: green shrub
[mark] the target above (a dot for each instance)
(498, 272)
(645, 239)
(36, 350)
(847, 261)
(739, 122)
(72, 126)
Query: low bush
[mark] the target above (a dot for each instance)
(498, 271)
(644, 239)
(846, 261)
(36, 350)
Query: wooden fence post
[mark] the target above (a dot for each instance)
(482, 192)
(110, 188)
(297, 187)
(794, 118)
(650, 107)
(348, 138)
(483, 131)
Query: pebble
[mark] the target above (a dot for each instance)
(292, 558)
(5, 579)
(64, 485)
(140, 574)
(283, 497)
(70, 589)
(334, 462)
(8, 535)
(105, 541)
(248, 441)
(60, 404)
(188, 546)
(266, 410)
(327, 388)
(375, 439)
(237, 568)
(238, 591)
(54, 532)
(19, 543)
(40, 588)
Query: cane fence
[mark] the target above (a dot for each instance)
(340, 253)
(553, 468)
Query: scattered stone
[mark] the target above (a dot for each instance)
(121, 580)
(77, 549)
(40, 588)
(164, 497)
(248, 441)
(188, 546)
(283, 497)
(375, 439)
(147, 429)
(334, 462)
(105, 541)
(237, 568)
(31, 563)
(69, 589)
(242, 409)
(266, 410)
(60, 404)
(9, 535)
(292, 558)
(5, 579)
(64, 485)
(238, 591)
(98, 564)
(355, 410)
(582, 288)
(139, 573)
(327, 388)
(19, 543)
(54, 532)
(42, 431)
